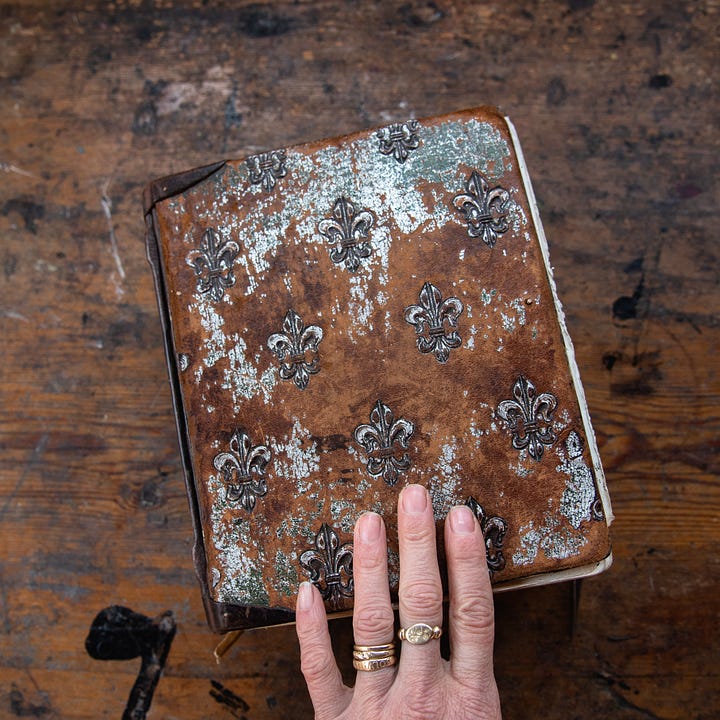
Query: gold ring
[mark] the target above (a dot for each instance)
(374, 664)
(374, 648)
(372, 654)
(420, 633)
(373, 657)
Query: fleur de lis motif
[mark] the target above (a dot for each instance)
(266, 168)
(213, 263)
(350, 230)
(430, 318)
(330, 566)
(399, 139)
(493, 530)
(486, 211)
(528, 417)
(243, 470)
(297, 349)
(380, 438)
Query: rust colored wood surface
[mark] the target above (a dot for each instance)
(617, 110)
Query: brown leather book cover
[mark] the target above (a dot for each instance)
(345, 317)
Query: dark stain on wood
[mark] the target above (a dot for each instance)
(556, 92)
(625, 307)
(118, 633)
(660, 81)
(28, 210)
(575, 5)
(227, 698)
(261, 21)
(20, 706)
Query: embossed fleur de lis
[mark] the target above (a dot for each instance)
(350, 230)
(243, 470)
(297, 349)
(380, 439)
(266, 168)
(399, 139)
(493, 530)
(528, 417)
(213, 262)
(330, 566)
(430, 318)
(486, 211)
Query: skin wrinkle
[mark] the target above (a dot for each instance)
(418, 597)
(373, 622)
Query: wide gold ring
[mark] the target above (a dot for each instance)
(374, 664)
(420, 633)
(370, 658)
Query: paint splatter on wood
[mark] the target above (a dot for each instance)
(118, 633)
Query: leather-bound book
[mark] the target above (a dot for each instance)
(348, 316)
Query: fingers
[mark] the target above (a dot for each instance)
(420, 588)
(328, 694)
(373, 619)
(471, 601)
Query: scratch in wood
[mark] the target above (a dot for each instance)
(106, 205)
(9, 167)
(624, 703)
(13, 315)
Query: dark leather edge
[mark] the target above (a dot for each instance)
(165, 187)
(223, 617)
(198, 551)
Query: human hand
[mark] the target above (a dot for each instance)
(422, 686)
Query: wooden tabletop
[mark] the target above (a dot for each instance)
(616, 107)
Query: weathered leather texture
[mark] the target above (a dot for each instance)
(348, 316)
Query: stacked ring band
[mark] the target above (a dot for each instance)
(373, 657)
(420, 633)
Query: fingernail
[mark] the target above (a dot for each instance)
(461, 520)
(305, 596)
(414, 499)
(369, 527)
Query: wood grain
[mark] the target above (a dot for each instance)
(616, 107)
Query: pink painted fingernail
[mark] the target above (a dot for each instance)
(305, 596)
(369, 527)
(461, 520)
(414, 499)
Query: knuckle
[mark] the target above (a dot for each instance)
(373, 621)
(472, 613)
(416, 531)
(370, 559)
(466, 549)
(420, 596)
